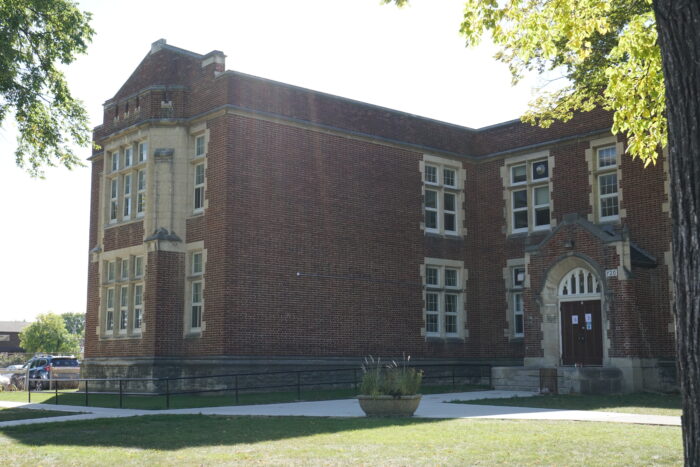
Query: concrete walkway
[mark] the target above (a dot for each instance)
(431, 406)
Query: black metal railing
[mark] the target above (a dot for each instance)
(452, 375)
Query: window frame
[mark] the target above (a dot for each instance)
(517, 276)
(529, 186)
(197, 139)
(435, 180)
(142, 149)
(603, 171)
(137, 322)
(196, 306)
(198, 189)
(439, 297)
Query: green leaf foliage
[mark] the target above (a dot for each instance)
(48, 334)
(605, 52)
(75, 322)
(36, 37)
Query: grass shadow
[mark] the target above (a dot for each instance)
(173, 432)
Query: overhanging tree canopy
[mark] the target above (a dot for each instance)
(36, 36)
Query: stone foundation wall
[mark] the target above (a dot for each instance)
(223, 374)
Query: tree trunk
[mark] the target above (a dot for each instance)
(678, 25)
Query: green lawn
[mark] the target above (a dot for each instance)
(7, 415)
(639, 403)
(206, 440)
(212, 400)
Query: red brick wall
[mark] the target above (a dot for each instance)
(123, 236)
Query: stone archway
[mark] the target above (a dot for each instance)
(549, 304)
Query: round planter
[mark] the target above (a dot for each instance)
(389, 406)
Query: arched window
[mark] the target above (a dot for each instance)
(579, 282)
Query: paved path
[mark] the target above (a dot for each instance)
(431, 406)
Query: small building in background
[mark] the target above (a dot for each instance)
(9, 335)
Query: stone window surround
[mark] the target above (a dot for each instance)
(196, 133)
(117, 149)
(463, 273)
(594, 172)
(508, 188)
(511, 290)
(190, 278)
(116, 258)
(458, 190)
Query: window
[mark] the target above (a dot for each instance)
(111, 271)
(125, 269)
(143, 151)
(140, 193)
(115, 161)
(197, 264)
(128, 157)
(138, 306)
(517, 284)
(194, 288)
(608, 199)
(138, 267)
(529, 196)
(196, 307)
(113, 200)
(199, 188)
(109, 318)
(441, 199)
(443, 300)
(199, 146)
(123, 308)
(127, 197)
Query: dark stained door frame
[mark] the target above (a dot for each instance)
(581, 333)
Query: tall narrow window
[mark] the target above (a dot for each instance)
(128, 159)
(123, 308)
(111, 271)
(199, 149)
(517, 283)
(143, 152)
(113, 199)
(138, 306)
(197, 263)
(196, 308)
(199, 188)
(115, 161)
(127, 197)
(124, 270)
(140, 193)
(138, 267)
(441, 200)
(608, 197)
(109, 316)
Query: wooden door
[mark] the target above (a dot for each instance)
(581, 333)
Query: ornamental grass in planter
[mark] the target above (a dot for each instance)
(389, 389)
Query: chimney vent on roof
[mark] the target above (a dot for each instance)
(157, 45)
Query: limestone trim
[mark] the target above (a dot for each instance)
(549, 307)
(512, 290)
(437, 317)
(594, 174)
(193, 276)
(441, 189)
(530, 185)
(116, 280)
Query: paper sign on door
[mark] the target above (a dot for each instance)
(574, 319)
(589, 318)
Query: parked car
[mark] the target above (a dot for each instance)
(44, 371)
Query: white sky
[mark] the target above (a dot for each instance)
(410, 59)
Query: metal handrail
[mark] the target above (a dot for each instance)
(296, 383)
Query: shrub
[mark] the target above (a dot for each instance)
(390, 379)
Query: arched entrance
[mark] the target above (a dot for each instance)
(581, 322)
(556, 291)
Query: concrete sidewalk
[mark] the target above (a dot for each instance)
(431, 406)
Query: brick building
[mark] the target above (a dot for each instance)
(240, 222)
